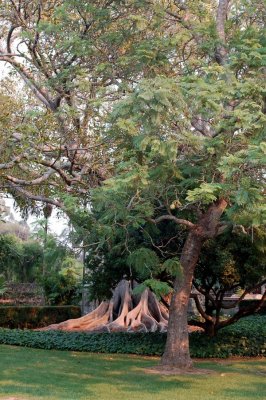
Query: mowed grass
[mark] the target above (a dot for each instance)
(28, 374)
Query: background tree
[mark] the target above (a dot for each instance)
(29, 267)
(20, 261)
(235, 263)
(63, 269)
(75, 59)
(2, 285)
(10, 256)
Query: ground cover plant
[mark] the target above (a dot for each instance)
(30, 374)
(246, 338)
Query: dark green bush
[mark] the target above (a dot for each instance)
(60, 289)
(247, 303)
(246, 338)
(29, 317)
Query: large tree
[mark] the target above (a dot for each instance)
(193, 142)
(187, 138)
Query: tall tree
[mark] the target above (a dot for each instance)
(195, 142)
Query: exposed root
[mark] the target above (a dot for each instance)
(125, 312)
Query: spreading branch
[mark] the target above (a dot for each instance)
(179, 221)
(25, 193)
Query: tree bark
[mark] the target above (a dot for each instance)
(210, 328)
(176, 352)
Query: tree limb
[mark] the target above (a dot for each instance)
(221, 16)
(40, 198)
(40, 93)
(244, 312)
(179, 221)
(195, 297)
(11, 163)
(32, 182)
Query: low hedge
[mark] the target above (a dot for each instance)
(246, 338)
(31, 317)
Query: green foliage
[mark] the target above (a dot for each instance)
(152, 105)
(159, 288)
(246, 338)
(235, 262)
(60, 289)
(136, 253)
(31, 262)
(10, 256)
(31, 317)
(23, 261)
(244, 304)
(172, 266)
(207, 193)
(233, 259)
(144, 261)
(54, 253)
(61, 272)
(19, 260)
(2, 285)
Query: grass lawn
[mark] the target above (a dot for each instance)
(28, 374)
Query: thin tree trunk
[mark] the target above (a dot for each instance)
(210, 328)
(44, 245)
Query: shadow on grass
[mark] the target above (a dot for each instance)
(41, 374)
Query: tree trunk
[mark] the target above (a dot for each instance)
(210, 328)
(176, 352)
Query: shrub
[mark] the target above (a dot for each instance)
(247, 303)
(35, 317)
(246, 338)
(59, 289)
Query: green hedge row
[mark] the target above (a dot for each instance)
(246, 338)
(29, 317)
